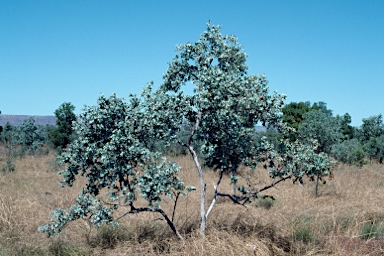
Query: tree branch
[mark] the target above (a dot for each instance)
(135, 210)
(273, 184)
(235, 199)
(215, 197)
(244, 199)
(174, 206)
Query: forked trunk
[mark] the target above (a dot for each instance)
(202, 191)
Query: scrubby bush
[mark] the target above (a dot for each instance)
(349, 151)
(374, 148)
(30, 136)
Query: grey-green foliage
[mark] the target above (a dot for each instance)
(30, 135)
(297, 159)
(227, 102)
(110, 151)
(349, 151)
(289, 160)
(321, 126)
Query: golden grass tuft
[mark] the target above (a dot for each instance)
(296, 223)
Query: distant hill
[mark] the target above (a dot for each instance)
(16, 120)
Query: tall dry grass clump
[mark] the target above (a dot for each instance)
(347, 218)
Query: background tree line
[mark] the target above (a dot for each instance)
(336, 136)
(31, 138)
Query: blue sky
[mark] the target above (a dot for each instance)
(71, 51)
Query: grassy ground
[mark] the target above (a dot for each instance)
(346, 219)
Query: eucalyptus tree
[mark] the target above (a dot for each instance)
(30, 135)
(114, 140)
(221, 114)
(323, 127)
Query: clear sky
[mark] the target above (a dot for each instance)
(71, 51)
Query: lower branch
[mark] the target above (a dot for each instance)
(216, 194)
(244, 199)
(149, 209)
(274, 184)
(235, 199)
(174, 206)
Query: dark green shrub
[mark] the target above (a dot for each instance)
(61, 134)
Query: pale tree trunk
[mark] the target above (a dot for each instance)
(202, 191)
(200, 173)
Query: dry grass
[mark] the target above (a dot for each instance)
(296, 223)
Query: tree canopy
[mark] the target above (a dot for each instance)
(321, 126)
